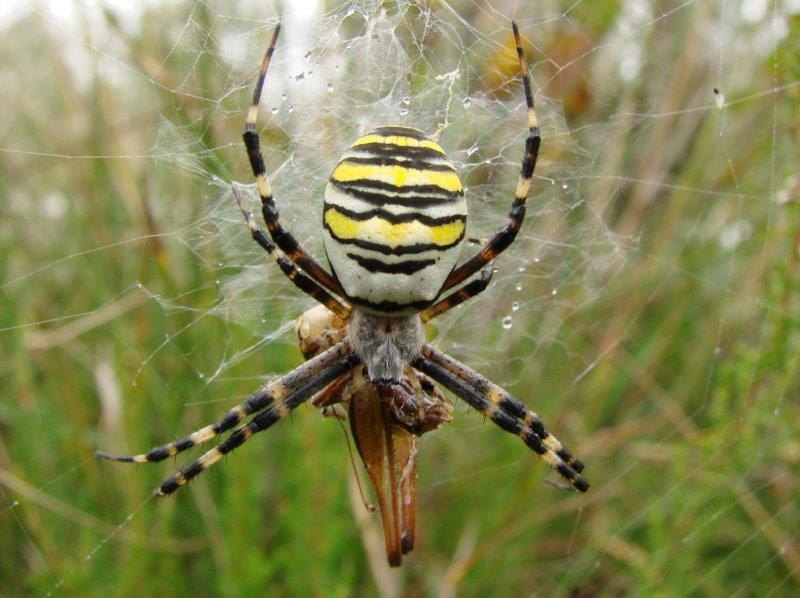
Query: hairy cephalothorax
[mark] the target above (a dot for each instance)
(385, 344)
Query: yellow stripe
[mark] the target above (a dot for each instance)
(400, 140)
(399, 176)
(378, 230)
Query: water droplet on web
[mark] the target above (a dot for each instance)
(467, 101)
(330, 87)
(290, 109)
(299, 78)
(536, 259)
(216, 282)
(263, 320)
(554, 292)
(506, 323)
(521, 269)
(518, 286)
(719, 99)
(283, 97)
(201, 375)
(308, 56)
(274, 110)
(515, 306)
(564, 186)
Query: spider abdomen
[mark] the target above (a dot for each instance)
(394, 218)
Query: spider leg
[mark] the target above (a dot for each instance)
(304, 283)
(282, 238)
(506, 235)
(468, 291)
(503, 409)
(301, 381)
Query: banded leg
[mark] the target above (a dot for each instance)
(506, 235)
(468, 291)
(301, 281)
(302, 382)
(503, 409)
(282, 238)
(262, 421)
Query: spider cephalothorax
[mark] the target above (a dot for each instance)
(393, 222)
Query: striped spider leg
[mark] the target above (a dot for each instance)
(506, 235)
(282, 238)
(267, 406)
(305, 283)
(503, 409)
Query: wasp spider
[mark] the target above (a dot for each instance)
(393, 224)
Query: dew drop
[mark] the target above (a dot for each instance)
(554, 292)
(274, 110)
(506, 323)
(283, 97)
(521, 269)
(308, 56)
(299, 78)
(719, 99)
(518, 286)
(467, 101)
(564, 186)
(290, 109)
(201, 375)
(536, 260)
(515, 306)
(330, 87)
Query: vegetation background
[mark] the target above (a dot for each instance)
(677, 383)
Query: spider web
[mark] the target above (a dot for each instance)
(648, 309)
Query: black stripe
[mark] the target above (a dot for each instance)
(395, 218)
(389, 306)
(407, 267)
(399, 250)
(421, 189)
(410, 162)
(391, 149)
(400, 130)
(429, 195)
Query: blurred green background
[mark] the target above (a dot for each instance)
(668, 361)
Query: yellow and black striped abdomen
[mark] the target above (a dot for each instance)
(394, 219)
